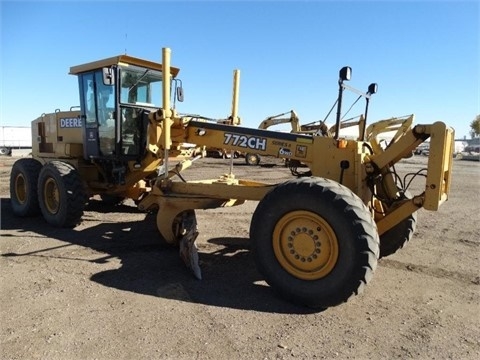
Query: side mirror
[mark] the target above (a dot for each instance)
(345, 73)
(180, 94)
(372, 88)
(108, 78)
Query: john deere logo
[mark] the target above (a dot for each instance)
(70, 123)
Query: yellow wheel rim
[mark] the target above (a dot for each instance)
(21, 188)
(51, 196)
(305, 245)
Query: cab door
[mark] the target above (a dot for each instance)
(98, 112)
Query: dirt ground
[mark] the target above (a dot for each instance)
(111, 289)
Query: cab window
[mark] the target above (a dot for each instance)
(140, 86)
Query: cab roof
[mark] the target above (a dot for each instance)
(120, 59)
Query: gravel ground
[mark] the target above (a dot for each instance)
(111, 289)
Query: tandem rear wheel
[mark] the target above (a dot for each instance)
(61, 194)
(55, 190)
(23, 187)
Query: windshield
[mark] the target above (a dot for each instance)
(140, 86)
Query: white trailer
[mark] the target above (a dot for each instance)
(459, 146)
(14, 137)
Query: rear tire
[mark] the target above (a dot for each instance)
(314, 241)
(61, 194)
(23, 187)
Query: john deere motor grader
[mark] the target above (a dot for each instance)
(316, 239)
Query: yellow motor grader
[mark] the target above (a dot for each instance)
(316, 239)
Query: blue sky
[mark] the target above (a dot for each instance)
(424, 55)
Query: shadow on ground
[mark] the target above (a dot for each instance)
(151, 267)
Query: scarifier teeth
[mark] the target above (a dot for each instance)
(188, 249)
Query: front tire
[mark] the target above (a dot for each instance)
(61, 194)
(5, 151)
(252, 159)
(112, 200)
(398, 236)
(23, 187)
(314, 241)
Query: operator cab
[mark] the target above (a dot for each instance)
(116, 95)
